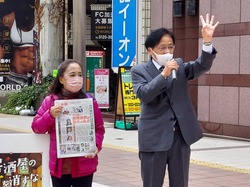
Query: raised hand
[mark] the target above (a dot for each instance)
(208, 27)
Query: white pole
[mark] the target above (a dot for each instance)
(79, 33)
(139, 33)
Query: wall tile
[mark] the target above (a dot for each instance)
(226, 11)
(244, 81)
(193, 93)
(227, 58)
(191, 49)
(232, 80)
(156, 14)
(203, 103)
(220, 30)
(244, 107)
(211, 80)
(244, 54)
(245, 7)
(205, 6)
(214, 128)
(192, 33)
(225, 129)
(179, 23)
(236, 131)
(224, 105)
(231, 29)
(237, 29)
(179, 48)
(179, 34)
(167, 21)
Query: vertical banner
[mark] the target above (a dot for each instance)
(94, 61)
(124, 39)
(17, 27)
(102, 87)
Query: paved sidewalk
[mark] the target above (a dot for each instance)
(215, 162)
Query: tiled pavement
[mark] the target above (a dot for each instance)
(215, 162)
(121, 168)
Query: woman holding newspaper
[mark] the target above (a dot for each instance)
(71, 171)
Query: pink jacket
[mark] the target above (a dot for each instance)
(43, 123)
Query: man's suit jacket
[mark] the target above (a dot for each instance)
(163, 100)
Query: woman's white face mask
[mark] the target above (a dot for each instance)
(73, 84)
(162, 59)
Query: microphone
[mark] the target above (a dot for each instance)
(174, 74)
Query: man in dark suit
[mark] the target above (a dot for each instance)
(168, 125)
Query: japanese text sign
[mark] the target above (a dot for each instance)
(124, 30)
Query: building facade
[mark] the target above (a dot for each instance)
(220, 97)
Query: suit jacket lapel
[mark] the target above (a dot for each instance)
(151, 69)
(153, 72)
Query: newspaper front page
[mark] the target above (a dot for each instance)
(75, 128)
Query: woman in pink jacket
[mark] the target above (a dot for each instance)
(73, 171)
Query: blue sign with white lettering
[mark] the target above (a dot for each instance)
(124, 31)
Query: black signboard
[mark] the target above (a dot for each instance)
(177, 8)
(101, 25)
(103, 1)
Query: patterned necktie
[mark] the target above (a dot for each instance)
(161, 68)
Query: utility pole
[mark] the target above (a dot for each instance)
(51, 36)
(79, 28)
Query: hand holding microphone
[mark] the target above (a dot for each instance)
(170, 68)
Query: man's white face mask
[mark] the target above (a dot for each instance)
(162, 59)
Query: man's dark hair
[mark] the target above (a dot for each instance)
(155, 36)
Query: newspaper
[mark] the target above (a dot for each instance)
(75, 128)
